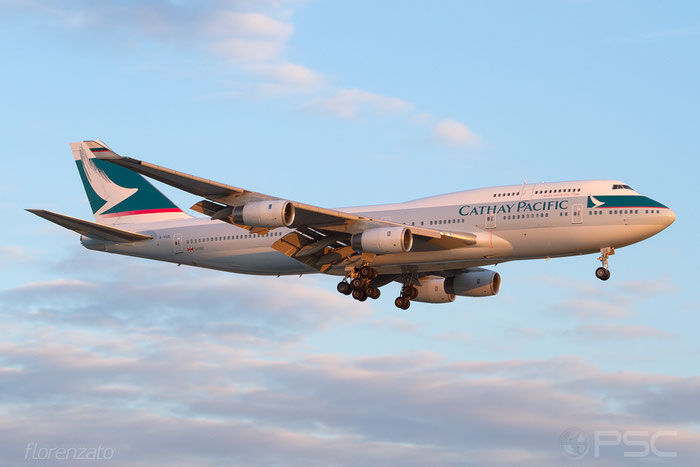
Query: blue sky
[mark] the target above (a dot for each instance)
(337, 104)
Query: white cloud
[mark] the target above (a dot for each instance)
(247, 50)
(349, 103)
(13, 254)
(290, 73)
(454, 133)
(286, 78)
(234, 23)
(247, 37)
(618, 331)
(397, 324)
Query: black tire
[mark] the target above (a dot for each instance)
(359, 295)
(365, 271)
(602, 274)
(399, 302)
(406, 305)
(344, 288)
(372, 292)
(414, 292)
(357, 284)
(363, 298)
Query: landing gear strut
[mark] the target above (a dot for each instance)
(603, 273)
(408, 292)
(359, 285)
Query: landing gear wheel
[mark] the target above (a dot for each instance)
(357, 284)
(344, 288)
(400, 302)
(602, 274)
(409, 291)
(359, 295)
(365, 271)
(372, 292)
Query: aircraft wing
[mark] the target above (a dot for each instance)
(315, 225)
(90, 229)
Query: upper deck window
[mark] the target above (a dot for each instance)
(621, 187)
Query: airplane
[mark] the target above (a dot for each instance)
(435, 247)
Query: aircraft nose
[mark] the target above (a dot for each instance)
(670, 217)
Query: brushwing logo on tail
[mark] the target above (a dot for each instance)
(103, 186)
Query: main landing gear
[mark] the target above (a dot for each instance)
(603, 273)
(408, 293)
(359, 286)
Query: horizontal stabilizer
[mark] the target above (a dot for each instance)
(91, 229)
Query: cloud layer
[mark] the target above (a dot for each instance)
(172, 365)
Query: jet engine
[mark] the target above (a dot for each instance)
(475, 283)
(272, 213)
(383, 240)
(432, 290)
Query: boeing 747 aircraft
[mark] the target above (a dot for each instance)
(434, 247)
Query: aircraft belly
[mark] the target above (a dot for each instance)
(573, 240)
(265, 261)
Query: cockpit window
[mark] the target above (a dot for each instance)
(621, 187)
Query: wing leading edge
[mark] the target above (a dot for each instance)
(322, 235)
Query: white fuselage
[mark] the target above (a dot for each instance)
(511, 223)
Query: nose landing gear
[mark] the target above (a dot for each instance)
(603, 273)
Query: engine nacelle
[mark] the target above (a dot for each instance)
(476, 283)
(383, 240)
(273, 213)
(432, 290)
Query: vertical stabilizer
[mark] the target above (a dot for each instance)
(118, 195)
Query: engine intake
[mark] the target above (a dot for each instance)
(383, 240)
(274, 213)
(475, 283)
